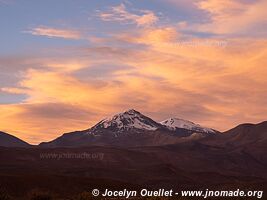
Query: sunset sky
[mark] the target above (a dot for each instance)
(66, 64)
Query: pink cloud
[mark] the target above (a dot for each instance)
(55, 32)
(232, 16)
(121, 14)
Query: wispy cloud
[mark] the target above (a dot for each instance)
(232, 16)
(228, 18)
(121, 14)
(55, 32)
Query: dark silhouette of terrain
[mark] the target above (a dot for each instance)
(8, 140)
(232, 160)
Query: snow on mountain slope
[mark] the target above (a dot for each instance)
(174, 123)
(130, 119)
(131, 128)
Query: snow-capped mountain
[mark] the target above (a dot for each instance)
(131, 128)
(176, 123)
(127, 120)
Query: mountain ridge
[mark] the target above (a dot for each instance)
(132, 128)
(127, 120)
(129, 128)
(7, 140)
(174, 123)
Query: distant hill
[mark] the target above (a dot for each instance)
(245, 134)
(7, 140)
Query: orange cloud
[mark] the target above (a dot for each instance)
(214, 86)
(152, 36)
(30, 121)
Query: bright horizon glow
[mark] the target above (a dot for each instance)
(64, 68)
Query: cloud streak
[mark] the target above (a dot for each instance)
(51, 32)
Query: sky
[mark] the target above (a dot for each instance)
(67, 64)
